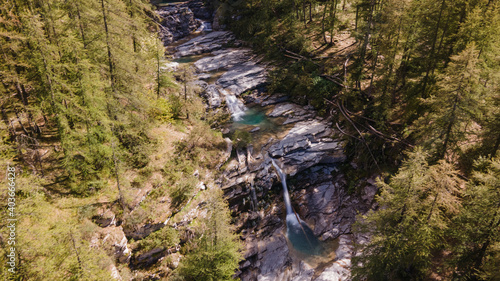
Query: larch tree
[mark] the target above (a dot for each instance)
(216, 251)
(476, 231)
(415, 210)
(453, 105)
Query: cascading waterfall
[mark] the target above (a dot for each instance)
(204, 26)
(236, 106)
(298, 232)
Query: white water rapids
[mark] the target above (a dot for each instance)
(235, 105)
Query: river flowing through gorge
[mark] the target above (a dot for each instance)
(309, 237)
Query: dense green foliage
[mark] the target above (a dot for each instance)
(77, 68)
(215, 252)
(92, 123)
(409, 227)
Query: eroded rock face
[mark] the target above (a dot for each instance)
(177, 21)
(213, 96)
(306, 144)
(138, 232)
(114, 241)
(224, 59)
(200, 9)
(243, 77)
(319, 197)
(308, 152)
(204, 44)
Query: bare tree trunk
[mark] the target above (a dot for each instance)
(304, 12)
(323, 29)
(442, 152)
(495, 147)
(356, 21)
(393, 58)
(333, 15)
(185, 99)
(482, 252)
(21, 91)
(80, 24)
(108, 47)
(120, 195)
(431, 53)
(374, 66)
(158, 72)
(310, 11)
(21, 123)
(296, 10)
(5, 118)
(80, 264)
(438, 50)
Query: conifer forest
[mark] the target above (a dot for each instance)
(250, 140)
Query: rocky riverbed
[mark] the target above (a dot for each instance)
(309, 151)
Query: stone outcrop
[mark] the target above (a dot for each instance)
(306, 144)
(213, 96)
(224, 59)
(114, 241)
(138, 232)
(200, 9)
(204, 44)
(177, 21)
(241, 78)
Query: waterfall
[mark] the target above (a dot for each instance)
(236, 106)
(205, 26)
(298, 232)
(286, 196)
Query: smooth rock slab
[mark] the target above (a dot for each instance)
(223, 59)
(300, 137)
(340, 269)
(243, 78)
(283, 109)
(204, 44)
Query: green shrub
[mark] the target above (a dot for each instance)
(166, 237)
(241, 138)
(181, 192)
(176, 105)
(161, 110)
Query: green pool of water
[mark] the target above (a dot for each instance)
(256, 117)
(189, 59)
(269, 127)
(253, 117)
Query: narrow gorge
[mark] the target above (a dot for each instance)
(234, 78)
(275, 140)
